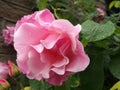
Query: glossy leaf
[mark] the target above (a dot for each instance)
(93, 31)
(38, 85)
(116, 86)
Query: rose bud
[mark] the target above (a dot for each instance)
(13, 69)
(4, 85)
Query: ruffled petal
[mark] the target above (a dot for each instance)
(66, 26)
(34, 64)
(59, 70)
(61, 62)
(28, 34)
(44, 17)
(56, 79)
(37, 69)
(39, 47)
(22, 64)
(50, 41)
(78, 60)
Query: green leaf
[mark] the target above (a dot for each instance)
(37, 85)
(93, 77)
(93, 31)
(100, 44)
(116, 86)
(112, 4)
(117, 4)
(41, 4)
(84, 42)
(117, 31)
(74, 81)
(63, 87)
(114, 65)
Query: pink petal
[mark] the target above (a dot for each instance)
(28, 34)
(34, 63)
(39, 48)
(56, 79)
(66, 26)
(22, 64)
(44, 17)
(77, 29)
(37, 68)
(46, 70)
(79, 60)
(50, 41)
(59, 70)
(64, 46)
(49, 56)
(61, 62)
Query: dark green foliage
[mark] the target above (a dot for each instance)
(93, 77)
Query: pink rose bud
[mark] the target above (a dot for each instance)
(13, 69)
(3, 70)
(48, 48)
(8, 35)
(4, 85)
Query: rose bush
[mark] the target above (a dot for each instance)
(48, 48)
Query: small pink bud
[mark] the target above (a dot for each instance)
(4, 85)
(13, 69)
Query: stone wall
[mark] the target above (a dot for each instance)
(10, 12)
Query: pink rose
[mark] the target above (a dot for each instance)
(3, 70)
(48, 48)
(8, 35)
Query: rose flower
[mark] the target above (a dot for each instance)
(48, 48)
